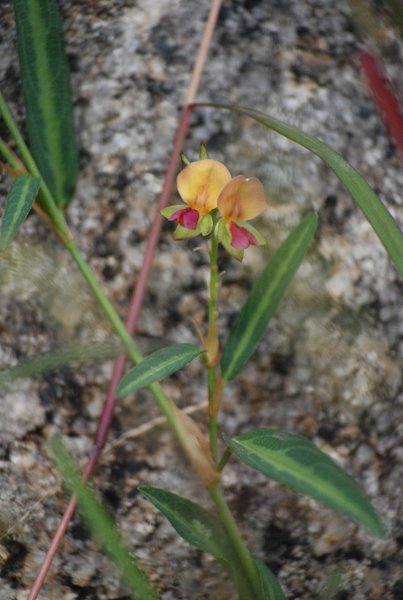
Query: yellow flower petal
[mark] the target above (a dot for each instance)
(242, 199)
(200, 183)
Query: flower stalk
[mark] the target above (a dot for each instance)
(212, 346)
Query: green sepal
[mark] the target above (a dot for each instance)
(224, 237)
(184, 159)
(203, 154)
(168, 211)
(182, 233)
(220, 227)
(205, 225)
(261, 240)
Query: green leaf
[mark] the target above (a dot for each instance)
(103, 527)
(202, 530)
(45, 83)
(157, 366)
(295, 461)
(265, 296)
(376, 213)
(193, 523)
(20, 199)
(270, 586)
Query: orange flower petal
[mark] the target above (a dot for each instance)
(200, 183)
(242, 199)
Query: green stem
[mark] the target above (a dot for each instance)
(251, 574)
(251, 577)
(8, 155)
(47, 202)
(212, 429)
(212, 371)
(164, 403)
(213, 287)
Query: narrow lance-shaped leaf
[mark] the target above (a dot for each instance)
(194, 523)
(45, 83)
(20, 199)
(270, 586)
(157, 366)
(103, 527)
(332, 586)
(376, 213)
(299, 464)
(265, 297)
(199, 528)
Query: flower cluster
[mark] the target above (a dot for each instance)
(206, 185)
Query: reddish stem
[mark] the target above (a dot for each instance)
(138, 293)
(384, 97)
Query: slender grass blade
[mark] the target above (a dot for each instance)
(103, 527)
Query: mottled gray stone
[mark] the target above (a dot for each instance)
(330, 364)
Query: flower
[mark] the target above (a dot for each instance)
(240, 200)
(206, 185)
(199, 185)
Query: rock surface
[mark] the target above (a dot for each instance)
(330, 364)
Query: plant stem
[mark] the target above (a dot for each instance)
(213, 375)
(181, 425)
(212, 430)
(164, 403)
(251, 575)
(213, 288)
(9, 155)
